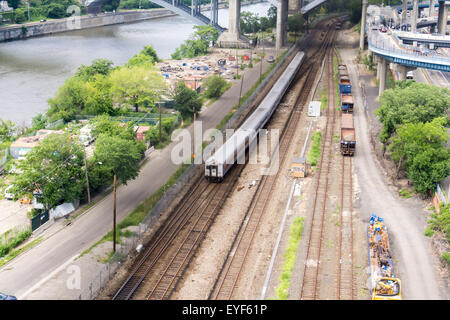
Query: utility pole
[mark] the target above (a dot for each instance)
(237, 64)
(160, 125)
(87, 178)
(240, 90)
(114, 212)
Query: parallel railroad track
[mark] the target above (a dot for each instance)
(232, 268)
(310, 285)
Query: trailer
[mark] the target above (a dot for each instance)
(348, 135)
(347, 103)
(383, 283)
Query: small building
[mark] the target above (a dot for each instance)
(140, 132)
(23, 145)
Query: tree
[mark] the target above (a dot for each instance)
(103, 125)
(187, 101)
(137, 86)
(150, 52)
(139, 60)
(410, 102)
(419, 149)
(272, 15)
(117, 156)
(7, 129)
(98, 66)
(56, 11)
(249, 22)
(55, 167)
(296, 23)
(207, 33)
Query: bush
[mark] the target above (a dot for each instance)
(315, 151)
(12, 238)
(215, 86)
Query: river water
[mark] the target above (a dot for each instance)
(32, 70)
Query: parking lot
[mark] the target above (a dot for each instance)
(12, 214)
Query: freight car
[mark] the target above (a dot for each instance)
(348, 135)
(345, 85)
(217, 166)
(384, 284)
(347, 103)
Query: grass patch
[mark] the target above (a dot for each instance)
(336, 77)
(295, 235)
(446, 258)
(405, 193)
(315, 151)
(15, 252)
(323, 99)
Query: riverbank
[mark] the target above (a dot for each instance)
(34, 29)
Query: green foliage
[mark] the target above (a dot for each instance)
(315, 151)
(117, 156)
(446, 257)
(167, 126)
(410, 102)
(55, 167)
(419, 149)
(441, 221)
(215, 86)
(198, 44)
(296, 23)
(150, 52)
(136, 87)
(7, 129)
(187, 101)
(137, 4)
(56, 11)
(98, 66)
(295, 235)
(110, 5)
(11, 239)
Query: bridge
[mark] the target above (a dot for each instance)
(406, 49)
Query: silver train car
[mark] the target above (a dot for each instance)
(217, 166)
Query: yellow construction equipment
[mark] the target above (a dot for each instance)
(299, 168)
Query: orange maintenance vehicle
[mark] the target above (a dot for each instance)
(384, 284)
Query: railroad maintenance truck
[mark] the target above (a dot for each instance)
(348, 135)
(383, 282)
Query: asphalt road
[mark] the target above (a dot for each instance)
(24, 272)
(405, 218)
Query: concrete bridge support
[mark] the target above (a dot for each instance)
(404, 8)
(414, 15)
(232, 37)
(282, 14)
(363, 24)
(431, 9)
(442, 17)
(381, 74)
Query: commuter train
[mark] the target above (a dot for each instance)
(217, 166)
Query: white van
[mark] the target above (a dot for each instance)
(8, 194)
(410, 75)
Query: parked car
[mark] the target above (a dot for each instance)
(270, 59)
(43, 20)
(383, 29)
(8, 194)
(6, 297)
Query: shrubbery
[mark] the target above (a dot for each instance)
(215, 86)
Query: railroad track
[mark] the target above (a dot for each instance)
(310, 285)
(345, 287)
(162, 264)
(232, 268)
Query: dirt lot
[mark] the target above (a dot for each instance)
(12, 214)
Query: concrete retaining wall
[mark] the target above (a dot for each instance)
(77, 23)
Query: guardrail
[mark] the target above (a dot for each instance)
(410, 55)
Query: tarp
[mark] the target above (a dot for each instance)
(62, 210)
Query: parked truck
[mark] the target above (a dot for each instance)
(383, 282)
(348, 135)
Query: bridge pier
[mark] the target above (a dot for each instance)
(282, 14)
(414, 15)
(442, 17)
(232, 38)
(363, 24)
(381, 74)
(404, 8)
